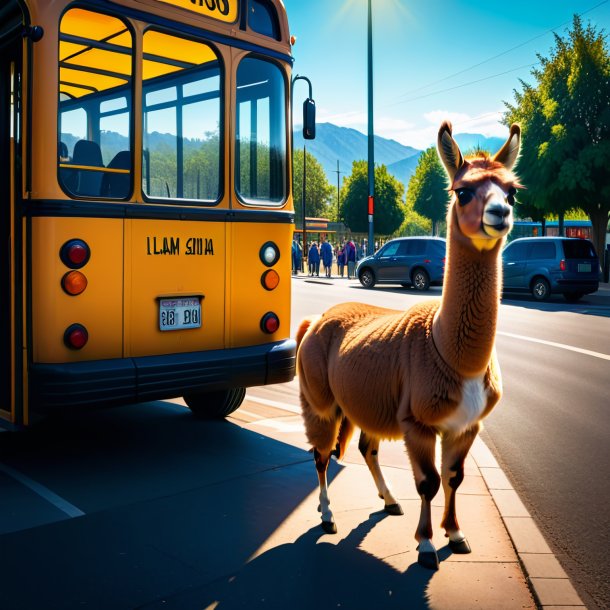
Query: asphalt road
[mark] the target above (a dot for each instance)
(551, 432)
(132, 470)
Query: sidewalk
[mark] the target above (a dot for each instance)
(510, 566)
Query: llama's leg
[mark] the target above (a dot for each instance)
(454, 451)
(322, 434)
(421, 443)
(369, 447)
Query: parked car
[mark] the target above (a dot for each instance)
(551, 265)
(409, 261)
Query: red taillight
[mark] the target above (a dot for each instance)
(562, 264)
(75, 253)
(427, 261)
(76, 336)
(270, 323)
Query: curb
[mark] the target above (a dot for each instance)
(546, 578)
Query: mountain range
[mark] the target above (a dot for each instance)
(344, 145)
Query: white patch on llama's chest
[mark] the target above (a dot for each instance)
(474, 400)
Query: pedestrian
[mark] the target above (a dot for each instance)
(314, 260)
(326, 253)
(341, 260)
(350, 249)
(297, 252)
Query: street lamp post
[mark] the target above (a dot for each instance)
(338, 189)
(303, 202)
(371, 140)
(308, 134)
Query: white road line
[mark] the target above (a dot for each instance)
(570, 348)
(273, 403)
(43, 492)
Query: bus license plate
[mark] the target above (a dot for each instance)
(179, 313)
(584, 267)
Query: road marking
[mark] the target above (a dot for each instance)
(570, 348)
(273, 403)
(43, 492)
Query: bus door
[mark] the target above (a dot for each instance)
(10, 82)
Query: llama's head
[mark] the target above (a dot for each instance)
(483, 188)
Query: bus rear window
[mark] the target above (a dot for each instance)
(260, 147)
(182, 145)
(95, 72)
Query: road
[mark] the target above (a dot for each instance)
(551, 432)
(131, 471)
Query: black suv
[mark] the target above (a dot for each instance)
(551, 265)
(409, 261)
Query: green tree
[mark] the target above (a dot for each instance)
(566, 129)
(427, 193)
(414, 223)
(389, 192)
(318, 193)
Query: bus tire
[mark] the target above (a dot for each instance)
(215, 405)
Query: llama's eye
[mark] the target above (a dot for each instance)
(512, 191)
(464, 196)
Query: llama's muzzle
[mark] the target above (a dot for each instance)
(497, 219)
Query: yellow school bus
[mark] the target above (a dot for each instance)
(146, 203)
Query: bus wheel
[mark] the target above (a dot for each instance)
(215, 405)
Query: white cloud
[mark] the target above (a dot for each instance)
(422, 134)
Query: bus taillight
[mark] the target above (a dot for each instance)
(75, 253)
(74, 283)
(269, 254)
(270, 279)
(76, 336)
(270, 323)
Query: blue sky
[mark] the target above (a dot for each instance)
(432, 59)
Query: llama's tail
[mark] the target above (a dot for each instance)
(303, 328)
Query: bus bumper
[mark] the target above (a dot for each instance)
(103, 383)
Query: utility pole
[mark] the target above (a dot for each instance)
(338, 190)
(371, 136)
(304, 219)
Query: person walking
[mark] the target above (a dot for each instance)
(326, 253)
(296, 257)
(314, 260)
(341, 260)
(350, 249)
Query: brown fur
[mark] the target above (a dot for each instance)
(403, 374)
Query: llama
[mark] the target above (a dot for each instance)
(426, 372)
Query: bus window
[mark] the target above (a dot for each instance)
(262, 18)
(260, 154)
(95, 69)
(182, 119)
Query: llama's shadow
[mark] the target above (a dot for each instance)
(310, 573)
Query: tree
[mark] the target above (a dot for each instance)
(566, 129)
(427, 193)
(318, 190)
(389, 212)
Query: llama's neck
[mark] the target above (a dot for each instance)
(465, 325)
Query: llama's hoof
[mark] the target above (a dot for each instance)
(460, 548)
(329, 527)
(428, 560)
(393, 509)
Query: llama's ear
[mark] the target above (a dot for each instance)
(449, 151)
(509, 153)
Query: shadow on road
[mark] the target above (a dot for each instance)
(175, 512)
(313, 574)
